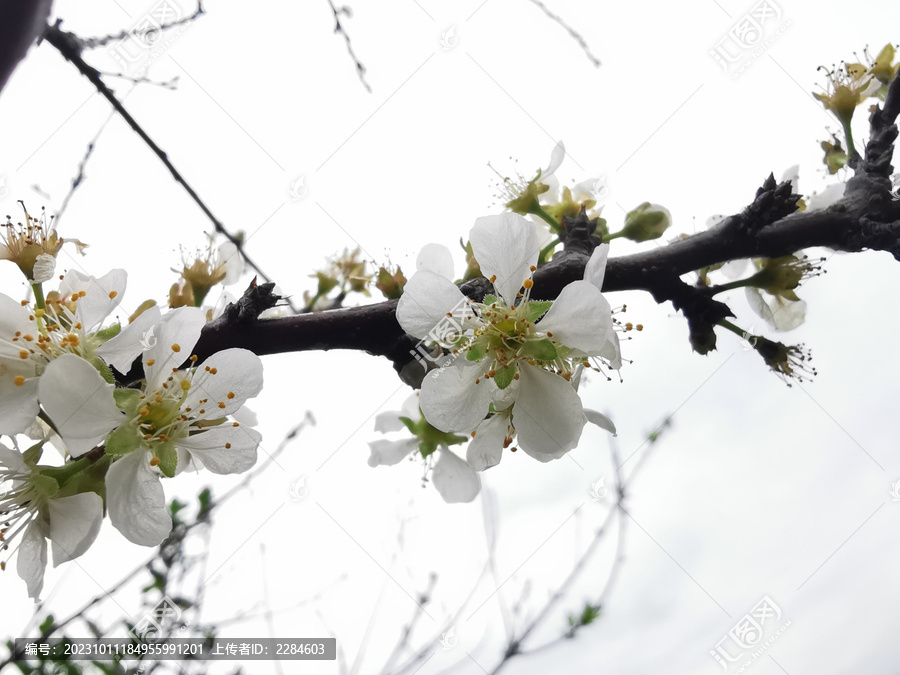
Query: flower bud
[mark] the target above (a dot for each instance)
(648, 221)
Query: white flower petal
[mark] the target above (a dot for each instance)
(74, 524)
(827, 197)
(32, 559)
(505, 246)
(245, 416)
(595, 269)
(13, 317)
(454, 480)
(600, 420)
(552, 195)
(136, 501)
(437, 259)
(426, 301)
(548, 416)
(79, 402)
(556, 158)
(121, 351)
(410, 407)
(592, 188)
(451, 401)
(580, 318)
(44, 268)
(486, 447)
(210, 447)
(389, 421)
(11, 459)
(612, 351)
(101, 295)
(179, 327)
(735, 269)
(780, 313)
(792, 173)
(238, 376)
(387, 453)
(229, 257)
(18, 404)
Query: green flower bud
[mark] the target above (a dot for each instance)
(390, 285)
(648, 221)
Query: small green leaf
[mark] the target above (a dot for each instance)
(504, 376)
(175, 506)
(542, 350)
(538, 308)
(108, 333)
(490, 299)
(128, 400)
(46, 625)
(103, 369)
(122, 440)
(168, 458)
(476, 352)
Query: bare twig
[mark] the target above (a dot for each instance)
(94, 42)
(339, 28)
(575, 34)
(69, 45)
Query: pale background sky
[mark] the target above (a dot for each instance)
(757, 490)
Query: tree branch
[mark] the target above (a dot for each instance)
(70, 46)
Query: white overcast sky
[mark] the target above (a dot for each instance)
(756, 490)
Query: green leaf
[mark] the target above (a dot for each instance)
(504, 376)
(490, 299)
(122, 440)
(108, 333)
(103, 369)
(33, 454)
(46, 625)
(537, 309)
(476, 352)
(542, 350)
(128, 400)
(204, 498)
(168, 458)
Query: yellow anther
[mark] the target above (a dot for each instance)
(19, 380)
(154, 461)
(230, 394)
(23, 353)
(112, 294)
(221, 404)
(185, 385)
(528, 284)
(176, 347)
(150, 362)
(227, 446)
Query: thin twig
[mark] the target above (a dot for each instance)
(339, 28)
(108, 593)
(575, 34)
(514, 645)
(80, 177)
(69, 45)
(94, 42)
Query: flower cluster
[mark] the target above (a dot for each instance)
(514, 362)
(58, 365)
